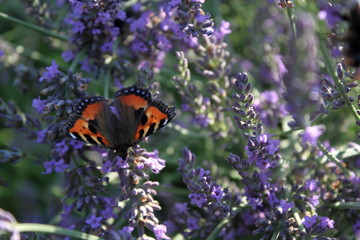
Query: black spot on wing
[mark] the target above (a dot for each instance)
(138, 113)
(100, 140)
(143, 119)
(141, 133)
(151, 129)
(90, 139)
(92, 124)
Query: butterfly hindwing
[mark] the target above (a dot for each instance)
(83, 126)
(156, 116)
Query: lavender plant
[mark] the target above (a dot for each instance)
(263, 146)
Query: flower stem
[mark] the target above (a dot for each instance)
(346, 205)
(34, 227)
(290, 13)
(275, 235)
(33, 27)
(333, 158)
(107, 82)
(213, 235)
(298, 219)
(173, 190)
(76, 60)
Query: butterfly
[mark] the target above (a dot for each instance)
(131, 117)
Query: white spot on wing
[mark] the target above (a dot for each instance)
(73, 136)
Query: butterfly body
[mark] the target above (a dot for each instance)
(133, 116)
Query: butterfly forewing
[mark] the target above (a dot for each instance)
(137, 98)
(156, 116)
(130, 103)
(82, 125)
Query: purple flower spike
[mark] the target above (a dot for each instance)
(311, 134)
(94, 221)
(160, 232)
(39, 105)
(309, 221)
(50, 73)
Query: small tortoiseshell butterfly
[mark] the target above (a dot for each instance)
(133, 116)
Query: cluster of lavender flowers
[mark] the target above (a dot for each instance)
(259, 149)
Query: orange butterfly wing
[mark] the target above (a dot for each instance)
(82, 125)
(155, 116)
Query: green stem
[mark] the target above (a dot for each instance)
(76, 60)
(337, 81)
(290, 13)
(332, 158)
(346, 205)
(176, 191)
(275, 235)
(292, 130)
(33, 27)
(107, 83)
(34, 227)
(213, 235)
(298, 219)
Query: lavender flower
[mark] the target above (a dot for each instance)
(160, 232)
(311, 134)
(317, 226)
(356, 228)
(270, 108)
(256, 175)
(309, 221)
(94, 221)
(173, 21)
(330, 94)
(208, 109)
(190, 17)
(204, 192)
(88, 191)
(181, 219)
(263, 151)
(303, 100)
(267, 38)
(39, 105)
(131, 173)
(247, 118)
